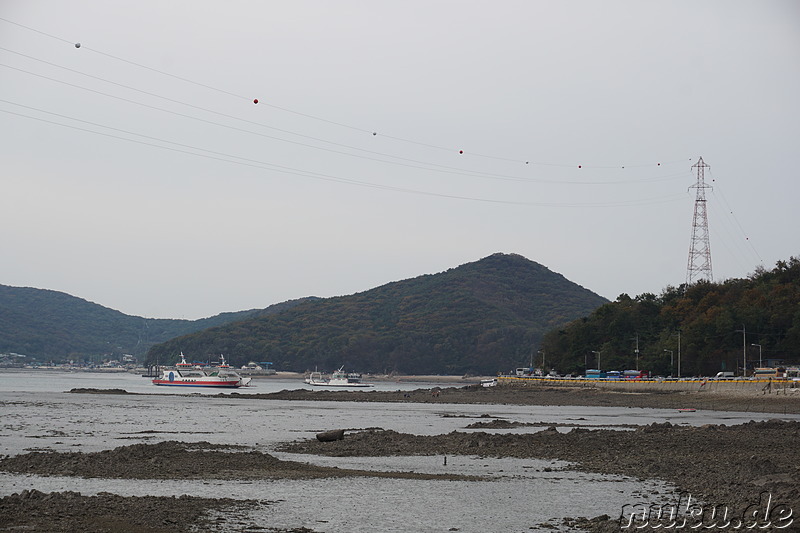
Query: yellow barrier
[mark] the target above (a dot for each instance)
(653, 384)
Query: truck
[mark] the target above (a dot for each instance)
(766, 373)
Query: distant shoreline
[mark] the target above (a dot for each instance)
(784, 402)
(397, 378)
(390, 378)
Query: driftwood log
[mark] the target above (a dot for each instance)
(328, 436)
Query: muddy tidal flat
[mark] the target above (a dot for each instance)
(753, 399)
(257, 469)
(732, 465)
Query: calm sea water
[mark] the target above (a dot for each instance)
(36, 413)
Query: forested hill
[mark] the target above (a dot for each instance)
(51, 325)
(481, 317)
(713, 327)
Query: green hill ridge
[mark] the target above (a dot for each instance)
(479, 318)
(52, 325)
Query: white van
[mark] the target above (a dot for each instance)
(724, 375)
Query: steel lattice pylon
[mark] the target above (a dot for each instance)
(699, 266)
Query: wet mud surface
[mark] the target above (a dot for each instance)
(59, 512)
(751, 401)
(729, 465)
(755, 400)
(71, 511)
(184, 460)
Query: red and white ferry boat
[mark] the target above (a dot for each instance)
(186, 375)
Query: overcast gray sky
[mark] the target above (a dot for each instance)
(138, 173)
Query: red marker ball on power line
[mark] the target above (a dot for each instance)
(579, 166)
(255, 101)
(461, 151)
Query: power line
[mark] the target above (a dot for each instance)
(733, 216)
(328, 121)
(228, 158)
(428, 165)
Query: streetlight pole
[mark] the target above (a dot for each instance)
(598, 359)
(679, 351)
(759, 354)
(542, 352)
(670, 360)
(743, 331)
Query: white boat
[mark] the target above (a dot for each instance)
(222, 362)
(340, 378)
(489, 382)
(316, 378)
(183, 364)
(184, 375)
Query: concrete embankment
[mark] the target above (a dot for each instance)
(729, 386)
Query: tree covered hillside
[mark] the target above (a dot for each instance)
(51, 325)
(717, 324)
(481, 317)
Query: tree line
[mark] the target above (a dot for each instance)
(708, 327)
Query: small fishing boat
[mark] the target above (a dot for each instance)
(340, 378)
(183, 364)
(316, 378)
(222, 362)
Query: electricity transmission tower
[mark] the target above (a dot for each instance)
(699, 266)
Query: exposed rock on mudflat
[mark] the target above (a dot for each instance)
(748, 401)
(71, 512)
(183, 460)
(98, 391)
